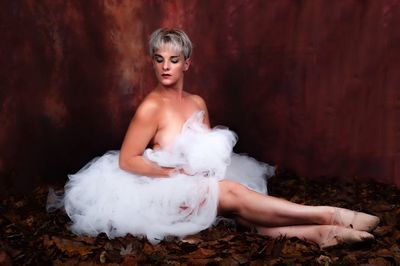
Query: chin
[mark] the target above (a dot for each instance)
(168, 83)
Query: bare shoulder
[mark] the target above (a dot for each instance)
(199, 101)
(150, 106)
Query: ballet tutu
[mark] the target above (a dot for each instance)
(101, 197)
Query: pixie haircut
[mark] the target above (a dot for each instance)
(177, 39)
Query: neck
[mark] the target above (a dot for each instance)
(175, 90)
(173, 93)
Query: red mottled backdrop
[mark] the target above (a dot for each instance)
(309, 85)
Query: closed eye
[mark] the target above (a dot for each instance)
(158, 59)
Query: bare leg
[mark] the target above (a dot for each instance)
(323, 235)
(318, 234)
(268, 211)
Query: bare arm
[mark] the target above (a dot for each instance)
(141, 130)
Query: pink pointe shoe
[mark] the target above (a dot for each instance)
(342, 235)
(356, 220)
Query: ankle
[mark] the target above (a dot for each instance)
(328, 215)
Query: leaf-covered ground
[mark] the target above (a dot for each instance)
(30, 236)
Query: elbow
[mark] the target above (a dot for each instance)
(123, 163)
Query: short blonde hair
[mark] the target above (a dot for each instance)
(178, 40)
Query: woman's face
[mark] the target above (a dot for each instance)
(169, 66)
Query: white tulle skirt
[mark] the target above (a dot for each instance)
(103, 198)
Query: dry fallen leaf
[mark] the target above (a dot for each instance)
(381, 207)
(30, 236)
(192, 240)
(324, 260)
(383, 230)
(103, 257)
(148, 248)
(201, 253)
(126, 251)
(86, 239)
(379, 262)
(67, 246)
(5, 260)
(19, 204)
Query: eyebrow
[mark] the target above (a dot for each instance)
(163, 57)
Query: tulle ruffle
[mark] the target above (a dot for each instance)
(103, 198)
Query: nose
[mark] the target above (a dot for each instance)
(165, 65)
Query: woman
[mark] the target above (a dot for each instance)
(190, 175)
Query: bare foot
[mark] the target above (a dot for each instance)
(355, 220)
(340, 235)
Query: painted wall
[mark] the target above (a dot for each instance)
(312, 86)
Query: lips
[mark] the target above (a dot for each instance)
(165, 76)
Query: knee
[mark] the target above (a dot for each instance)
(230, 196)
(232, 189)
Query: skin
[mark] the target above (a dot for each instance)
(159, 119)
(161, 115)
